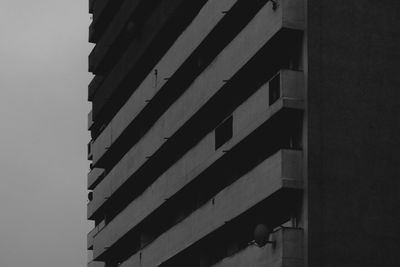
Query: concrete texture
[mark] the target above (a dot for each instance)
(103, 11)
(90, 120)
(279, 171)
(137, 60)
(90, 238)
(201, 26)
(93, 86)
(287, 252)
(350, 94)
(353, 133)
(96, 264)
(113, 30)
(246, 118)
(239, 51)
(94, 177)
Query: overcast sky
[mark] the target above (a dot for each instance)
(43, 137)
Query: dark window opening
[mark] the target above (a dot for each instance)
(223, 132)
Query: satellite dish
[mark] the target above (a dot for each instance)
(90, 196)
(261, 234)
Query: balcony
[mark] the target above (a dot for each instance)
(90, 238)
(92, 234)
(203, 24)
(94, 177)
(103, 11)
(117, 30)
(90, 120)
(209, 16)
(248, 117)
(286, 252)
(277, 176)
(260, 30)
(160, 29)
(226, 65)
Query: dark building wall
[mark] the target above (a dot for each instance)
(353, 133)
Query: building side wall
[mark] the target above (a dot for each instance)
(353, 133)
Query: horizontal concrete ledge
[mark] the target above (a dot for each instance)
(114, 29)
(92, 89)
(90, 237)
(102, 10)
(235, 56)
(239, 51)
(280, 171)
(92, 234)
(162, 27)
(94, 177)
(208, 17)
(96, 264)
(90, 120)
(116, 25)
(287, 252)
(247, 117)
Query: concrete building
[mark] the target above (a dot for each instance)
(244, 133)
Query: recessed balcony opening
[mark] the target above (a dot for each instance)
(223, 132)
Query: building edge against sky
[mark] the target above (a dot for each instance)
(220, 125)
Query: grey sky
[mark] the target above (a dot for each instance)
(43, 81)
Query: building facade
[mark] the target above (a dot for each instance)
(244, 133)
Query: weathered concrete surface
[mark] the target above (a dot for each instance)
(101, 10)
(93, 177)
(90, 238)
(282, 170)
(92, 234)
(353, 133)
(90, 120)
(205, 21)
(114, 29)
(96, 264)
(93, 86)
(89, 151)
(137, 58)
(264, 25)
(288, 252)
(246, 118)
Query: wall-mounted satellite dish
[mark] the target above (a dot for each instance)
(261, 234)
